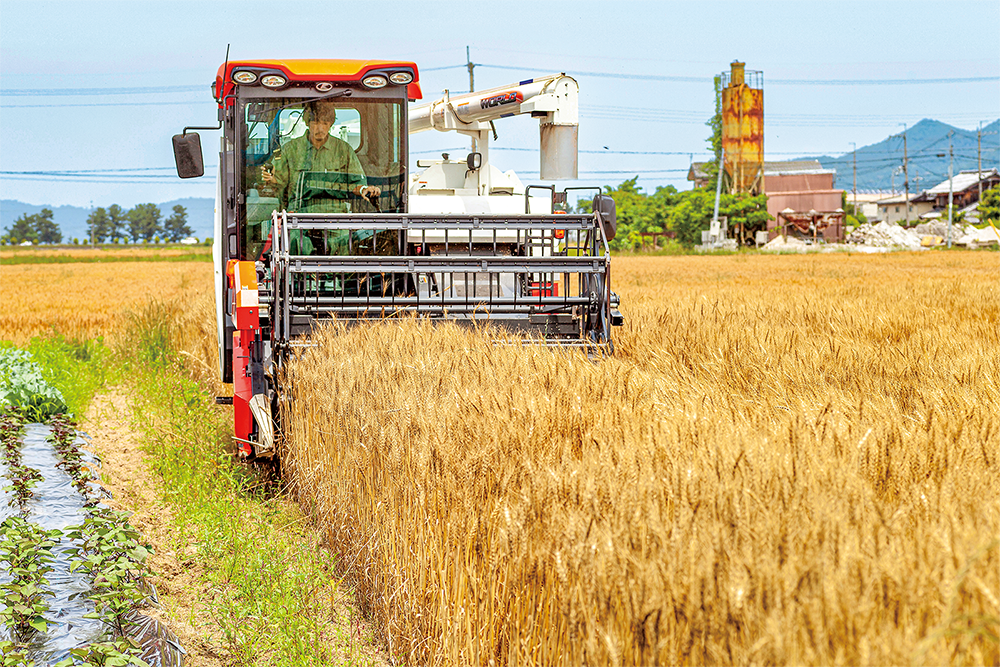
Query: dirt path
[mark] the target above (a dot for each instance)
(186, 599)
(182, 590)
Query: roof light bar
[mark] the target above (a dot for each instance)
(244, 76)
(273, 81)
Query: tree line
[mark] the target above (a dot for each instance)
(684, 215)
(113, 224)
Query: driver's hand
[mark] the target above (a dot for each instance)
(266, 176)
(369, 191)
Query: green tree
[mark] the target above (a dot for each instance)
(691, 214)
(630, 203)
(23, 229)
(37, 228)
(48, 230)
(117, 222)
(745, 213)
(989, 206)
(144, 222)
(98, 225)
(176, 228)
(852, 217)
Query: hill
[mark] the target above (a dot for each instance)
(927, 150)
(72, 220)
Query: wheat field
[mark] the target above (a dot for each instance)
(85, 300)
(788, 460)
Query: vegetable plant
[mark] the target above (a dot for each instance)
(111, 552)
(27, 549)
(118, 653)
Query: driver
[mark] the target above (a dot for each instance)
(317, 151)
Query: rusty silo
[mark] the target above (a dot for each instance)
(743, 128)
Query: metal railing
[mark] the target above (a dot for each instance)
(547, 275)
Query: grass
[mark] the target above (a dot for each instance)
(278, 592)
(14, 255)
(789, 460)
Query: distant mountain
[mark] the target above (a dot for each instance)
(72, 220)
(927, 150)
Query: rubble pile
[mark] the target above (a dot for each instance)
(885, 235)
(785, 244)
(940, 228)
(889, 235)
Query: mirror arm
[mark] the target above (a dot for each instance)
(185, 131)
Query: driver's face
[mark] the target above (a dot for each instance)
(319, 130)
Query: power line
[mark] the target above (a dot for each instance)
(797, 82)
(137, 90)
(120, 105)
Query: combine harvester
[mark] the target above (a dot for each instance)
(318, 216)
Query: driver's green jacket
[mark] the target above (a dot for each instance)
(335, 158)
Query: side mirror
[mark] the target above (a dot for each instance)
(605, 207)
(187, 155)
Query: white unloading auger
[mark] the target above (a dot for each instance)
(553, 99)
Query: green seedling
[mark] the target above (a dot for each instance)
(118, 653)
(111, 552)
(22, 481)
(63, 439)
(11, 655)
(27, 548)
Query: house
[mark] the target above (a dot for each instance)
(893, 209)
(933, 203)
(965, 186)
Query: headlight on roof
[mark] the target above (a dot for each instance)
(244, 76)
(401, 78)
(374, 81)
(273, 81)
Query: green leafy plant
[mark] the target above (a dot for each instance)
(27, 548)
(22, 384)
(63, 439)
(118, 653)
(112, 553)
(11, 655)
(22, 480)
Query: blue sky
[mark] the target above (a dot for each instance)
(90, 87)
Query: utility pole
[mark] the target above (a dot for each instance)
(979, 151)
(472, 82)
(715, 235)
(854, 152)
(979, 159)
(951, 166)
(906, 177)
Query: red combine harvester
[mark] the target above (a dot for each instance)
(318, 215)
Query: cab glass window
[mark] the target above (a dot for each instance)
(357, 143)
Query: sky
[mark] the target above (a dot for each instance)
(91, 92)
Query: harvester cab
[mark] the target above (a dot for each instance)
(319, 216)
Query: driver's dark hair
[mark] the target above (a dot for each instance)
(319, 110)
